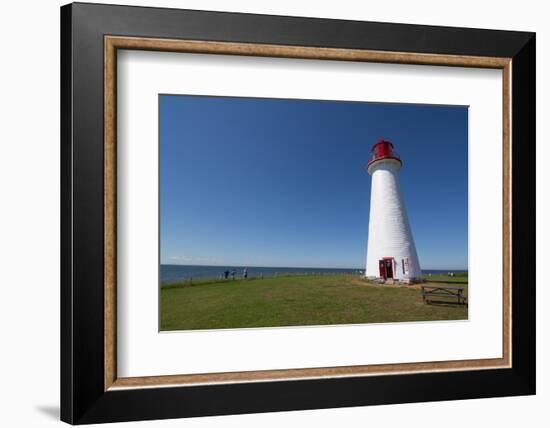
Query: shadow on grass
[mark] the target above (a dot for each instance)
(446, 304)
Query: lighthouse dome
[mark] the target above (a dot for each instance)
(383, 150)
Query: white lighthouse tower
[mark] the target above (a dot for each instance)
(391, 253)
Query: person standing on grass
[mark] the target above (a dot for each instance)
(233, 272)
(245, 273)
(226, 273)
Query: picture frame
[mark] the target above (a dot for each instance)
(91, 35)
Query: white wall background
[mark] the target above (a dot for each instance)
(29, 214)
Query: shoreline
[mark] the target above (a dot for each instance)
(176, 273)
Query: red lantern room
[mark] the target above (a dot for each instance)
(383, 150)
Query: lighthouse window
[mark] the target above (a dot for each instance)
(403, 265)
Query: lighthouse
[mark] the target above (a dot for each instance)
(391, 253)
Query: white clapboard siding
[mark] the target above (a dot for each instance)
(389, 229)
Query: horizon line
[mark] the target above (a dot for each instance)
(294, 267)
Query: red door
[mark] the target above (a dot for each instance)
(382, 268)
(389, 268)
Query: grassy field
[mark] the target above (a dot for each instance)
(295, 300)
(459, 278)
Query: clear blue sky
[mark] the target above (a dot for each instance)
(266, 182)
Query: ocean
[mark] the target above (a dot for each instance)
(174, 273)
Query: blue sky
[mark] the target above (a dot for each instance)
(268, 182)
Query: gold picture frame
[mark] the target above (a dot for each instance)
(114, 43)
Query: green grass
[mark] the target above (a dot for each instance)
(459, 278)
(293, 301)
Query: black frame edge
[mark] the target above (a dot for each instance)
(524, 213)
(305, 31)
(66, 306)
